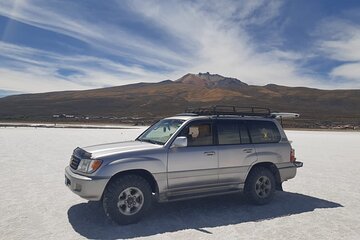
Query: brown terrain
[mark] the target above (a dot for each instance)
(146, 102)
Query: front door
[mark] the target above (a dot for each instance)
(197, 164)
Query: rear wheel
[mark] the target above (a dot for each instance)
(127, 199)
(260, 186)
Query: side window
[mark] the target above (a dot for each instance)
(264, 132)
(198, 134)
(228, 132)
(244, 135)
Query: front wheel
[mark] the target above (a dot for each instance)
(127, 199)
(260, 186)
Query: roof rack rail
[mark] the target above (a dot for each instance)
(230, 110)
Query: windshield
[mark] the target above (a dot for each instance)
(161, 131)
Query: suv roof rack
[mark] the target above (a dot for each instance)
(229, 110)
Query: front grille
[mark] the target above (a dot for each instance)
(74, 163)
(76, 157)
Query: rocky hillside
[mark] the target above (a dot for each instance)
(211, 81)
(149, 101)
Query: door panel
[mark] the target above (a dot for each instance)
(192, 166)
(196, 164)
(236, 153)
(234, 162)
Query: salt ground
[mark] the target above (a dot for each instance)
(322, 202)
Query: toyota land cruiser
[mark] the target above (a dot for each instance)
(203, 152)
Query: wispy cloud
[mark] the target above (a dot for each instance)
(340, 41)
(350, 71)
(105, 36)
(159, 40)
(31, 70)
(224, 46)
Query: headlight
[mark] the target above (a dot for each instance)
(89, 165)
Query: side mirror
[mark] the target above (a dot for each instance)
(180, 142)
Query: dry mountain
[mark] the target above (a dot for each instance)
(155, 100)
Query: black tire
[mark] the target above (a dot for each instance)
(260, 186)
(116, 205)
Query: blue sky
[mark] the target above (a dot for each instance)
(50, 45)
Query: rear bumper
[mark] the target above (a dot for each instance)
(86, 187)
(288, 170)
(298, 164)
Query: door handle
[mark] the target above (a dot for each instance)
(248, 150)
(211, 153)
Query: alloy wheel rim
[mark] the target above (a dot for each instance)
(263, 187)
(130, 201)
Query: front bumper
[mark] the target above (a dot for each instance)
(86, 187)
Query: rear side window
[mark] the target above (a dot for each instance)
(232, 132)
(264, 132)
(228, 132)
(244, 135)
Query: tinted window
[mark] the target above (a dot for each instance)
(244, 135)
(228, 132)
(264, 132)
(198, 134)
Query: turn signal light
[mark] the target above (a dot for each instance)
(95, 164)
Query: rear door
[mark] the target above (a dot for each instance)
(236, 153)
(197, 164)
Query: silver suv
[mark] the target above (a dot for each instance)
(203, 152)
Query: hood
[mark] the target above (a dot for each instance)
(103, 150)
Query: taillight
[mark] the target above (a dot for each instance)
(292, 155)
